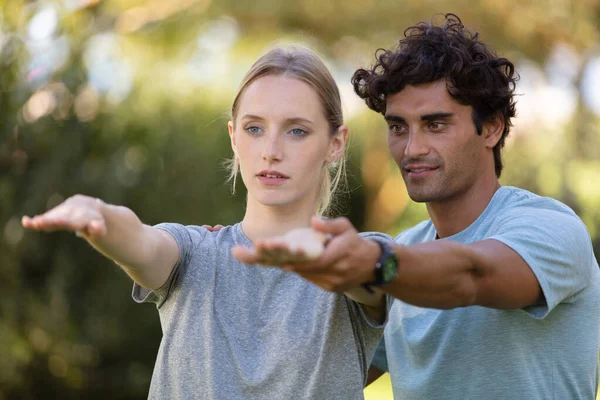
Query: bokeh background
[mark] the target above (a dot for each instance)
(128, 100)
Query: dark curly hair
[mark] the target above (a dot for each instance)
(475, 75)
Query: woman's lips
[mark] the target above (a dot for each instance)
(272, 178)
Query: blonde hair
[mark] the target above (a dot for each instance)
(301, 63)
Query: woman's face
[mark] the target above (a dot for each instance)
(283, 141)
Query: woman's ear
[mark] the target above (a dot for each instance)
(337, 145)
(232, 136)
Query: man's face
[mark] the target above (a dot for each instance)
(434, 142)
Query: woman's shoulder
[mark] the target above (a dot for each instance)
(200, 236)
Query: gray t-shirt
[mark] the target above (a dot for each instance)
(545, 352)
(234, 331)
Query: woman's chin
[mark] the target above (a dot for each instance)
(277, 201)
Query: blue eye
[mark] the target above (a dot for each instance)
(253, 130)
(298, 132)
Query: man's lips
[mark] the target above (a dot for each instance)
(417, 170)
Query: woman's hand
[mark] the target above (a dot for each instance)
(298, 245)
(79, 214)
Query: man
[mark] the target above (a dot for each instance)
(498, 294)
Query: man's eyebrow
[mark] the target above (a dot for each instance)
(427, 117)
(394, 118)
(436, 115)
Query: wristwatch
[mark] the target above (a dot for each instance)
(386, 267)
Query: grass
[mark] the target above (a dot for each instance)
(381, 389)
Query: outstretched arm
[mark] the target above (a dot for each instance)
(145, 253)
(440, 274)
(305, 245)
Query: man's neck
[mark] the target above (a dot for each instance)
(261, 221)
(454, 215)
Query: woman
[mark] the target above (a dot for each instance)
(232, 331)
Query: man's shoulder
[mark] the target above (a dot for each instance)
(522, 203)
(529, 216)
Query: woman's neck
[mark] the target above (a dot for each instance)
(262, 221)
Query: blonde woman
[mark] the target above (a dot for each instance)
(233, 331)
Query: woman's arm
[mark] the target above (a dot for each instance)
(373, 303)
(145, 253)
(305, 245)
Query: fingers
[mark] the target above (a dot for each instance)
(308, 240)
(26, 222)
(215, 228)
(77, 214)
(46, 223)
(52, 222)
(91, 230)
(334, 227)
(252, 256)
(271, 253)
(335, 256)
(95, 229)
(245, 255)
(290, 249)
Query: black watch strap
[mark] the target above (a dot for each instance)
(386, 267)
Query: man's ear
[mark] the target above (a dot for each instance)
(232, 136)
(493, 130)
(337, 145)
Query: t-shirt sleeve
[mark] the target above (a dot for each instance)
(183, 238)
(557, 248)
(377, 236)
(379, 360)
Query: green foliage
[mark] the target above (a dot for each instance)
(68, 327)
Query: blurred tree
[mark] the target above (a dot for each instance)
(127, 100)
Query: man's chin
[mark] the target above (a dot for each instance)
(422, 196)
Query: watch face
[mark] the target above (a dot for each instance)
(389, 268)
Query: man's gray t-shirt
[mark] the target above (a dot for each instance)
(545, 352)
(234, 331)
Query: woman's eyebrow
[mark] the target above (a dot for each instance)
(290, 120)
(299, 120)
(252, 116)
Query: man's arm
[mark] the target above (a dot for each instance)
(448, 274)
(441, 274)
